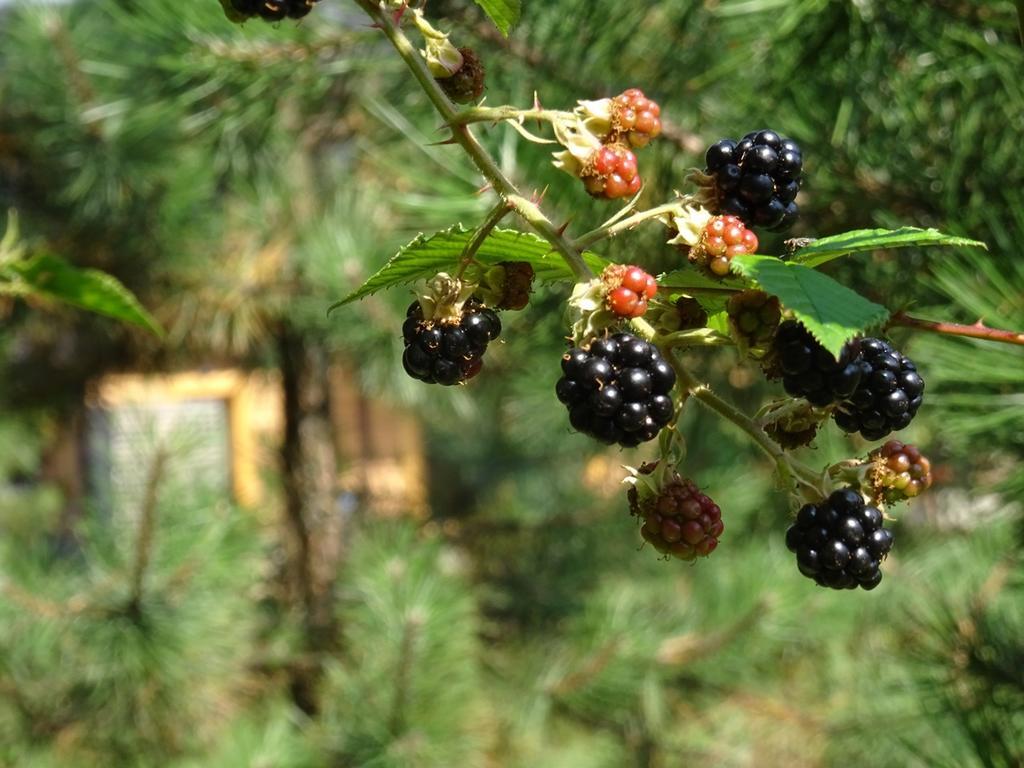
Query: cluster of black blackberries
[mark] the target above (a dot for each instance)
(839, 541)
(447, 353)
(274, 10)
(887, 396)
(810, 371)
(757, 178)
(618, 390)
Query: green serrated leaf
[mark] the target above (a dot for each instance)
(504, 13)
(860, 240)
(427, 255)
(52, 277)
(829, 310)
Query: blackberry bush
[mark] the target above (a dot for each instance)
(618, 390)
(840, 541)
(637, 338)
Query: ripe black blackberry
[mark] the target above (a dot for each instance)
(757, 178)
(839, 541)
(618, 390)
(447, 353)
(273, 10)
(809, 370)
(887, 396)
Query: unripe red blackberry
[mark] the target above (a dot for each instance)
(618, 390)
(754, 317)
(635, 118)
(888, 394)
(611, 172)
(899, 472)
(840, 541)
(447, 353)
(678, 519)
(723, 238)
(466, 86)
(757, 178)
(628, 289)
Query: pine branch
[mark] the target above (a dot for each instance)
(147, 528)
(403, 676)
(976, 331)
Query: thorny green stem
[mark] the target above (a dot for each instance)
(462, 136)
(787, 466)
(497, 114)
(589, 238)
(498, 212)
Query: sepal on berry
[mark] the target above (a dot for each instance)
(443, 58)
(689, 223)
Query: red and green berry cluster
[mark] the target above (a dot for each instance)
(635, 118)
(611, 172)
(629, 289)
(723, 238)
(679, 520)
(899, 472)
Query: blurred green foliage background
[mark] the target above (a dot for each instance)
(521, 624)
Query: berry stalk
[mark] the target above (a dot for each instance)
(497, 213)
(787, 466)
(462, 136)
(977, 331)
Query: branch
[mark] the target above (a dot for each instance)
(462, 136)
(589, 238)
(497, 114)
(977, 331)
(787, 466)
